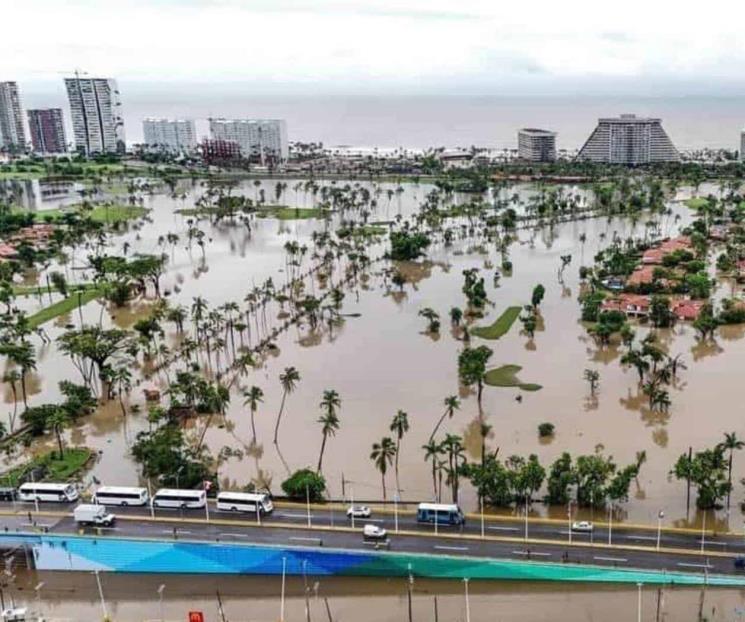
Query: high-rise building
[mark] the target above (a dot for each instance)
(217, 151)
(260, 139)
(47, 129)
(742, 146)
(96, 110)
(629, 139)
(174, 135)
(536, 145)
(12, 130)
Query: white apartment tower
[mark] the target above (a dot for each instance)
(742, 145)
(534, 145)
(257, 138)
(172, 135)
(12, 128)
(96, 110)
(629, 139)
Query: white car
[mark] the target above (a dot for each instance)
(583, 526)
(373, 532)
(358, 511)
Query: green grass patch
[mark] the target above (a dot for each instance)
(282, 212)
(506, 376)
(63, 306)
(43, 290)
(696, 202)
(500, 327)
(56, 470)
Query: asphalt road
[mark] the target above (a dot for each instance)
(632, 547)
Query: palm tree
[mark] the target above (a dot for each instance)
(593, 377)
(288, 379)
(382, 455)
(11, 377)
(399, 426)
(121, 378)
(731, 443)
(329, 420)
(453, 446)
(432, 450)
(452, 403)
(253, 397)
(58, 421)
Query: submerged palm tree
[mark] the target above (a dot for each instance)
(254, 396)
(399, 426)
(452, 403)
(432, 451)
(730, 443)
(288, 379)
(329, 420)
(382, 455)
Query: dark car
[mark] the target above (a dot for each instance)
(7, 494)
(739, 562)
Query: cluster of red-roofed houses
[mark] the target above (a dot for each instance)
(37, 235)
(637, 305)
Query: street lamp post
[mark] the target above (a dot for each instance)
(481, 504)
(100, 595)
(569, 520)
(639, 602)
(526, 517)
(660, 516)
(160, 601)
(282, 596)
(703, 532)
(37, 589)
(395, 512)
(468, 604)
(610, 523)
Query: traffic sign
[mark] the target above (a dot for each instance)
(196, 616)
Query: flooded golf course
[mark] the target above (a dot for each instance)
(379, 358)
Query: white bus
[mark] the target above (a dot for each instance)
(120, 495)
(244, 502)
(59, 493)
(174, 498)
(442, 513)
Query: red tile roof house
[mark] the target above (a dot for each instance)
(630, 304)
(641, 276)
(655, 255)
(38, 233)
(7, 251)
(685, 309)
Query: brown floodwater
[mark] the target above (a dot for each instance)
(380, 360)
(129, 598)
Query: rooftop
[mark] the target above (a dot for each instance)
(629, 118)
(537, 132)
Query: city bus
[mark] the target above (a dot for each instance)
(40, 491)
(120, 495)
(175, 498)
(443, 513)
(244, 502)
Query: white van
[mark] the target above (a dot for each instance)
(175, 498)
(244, 502)
(120, 495)
(40, 491)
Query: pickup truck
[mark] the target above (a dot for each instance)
(89, 514)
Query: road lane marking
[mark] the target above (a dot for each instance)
(178, 530)
(531, 553)
(235, 535)
(600, 558)
(450, 548)
(714, 543)
(304, 539)
(695, 565)
(292, 515)
(504, 528)
(650, 538)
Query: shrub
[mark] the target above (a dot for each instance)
(546, 429)
(302, 482)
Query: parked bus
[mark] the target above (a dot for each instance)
(174, 498)
(59, 493)
(244, 502)
(120, 495)
(443, 513)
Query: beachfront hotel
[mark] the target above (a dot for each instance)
(629, 139)
(171, 135)
(535, 145)
(96, 110)
(12, 130)
(257, 138)
(47, 129)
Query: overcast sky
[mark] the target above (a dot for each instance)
(481, 46)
